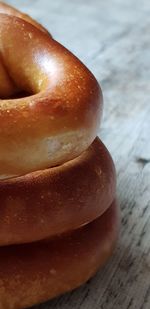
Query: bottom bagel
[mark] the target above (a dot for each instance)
(33, 273)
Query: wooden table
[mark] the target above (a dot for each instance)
(112, 37)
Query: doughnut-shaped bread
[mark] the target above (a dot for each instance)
(59, 118)
(59, 199)
(33, 273)
(58, 214)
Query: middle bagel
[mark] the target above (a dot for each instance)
(56, 200)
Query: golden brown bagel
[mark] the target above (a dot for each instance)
(35, 272)
(59, 199)
(60, 118)
(59, 224)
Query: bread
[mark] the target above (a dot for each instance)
(36, 272)
(59, 117)
(59, 216)
(52, 201)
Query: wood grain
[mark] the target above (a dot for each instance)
(112, 38)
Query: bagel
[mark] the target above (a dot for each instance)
(60, 117)
(53, 201)
(33, 273)
(59, 216)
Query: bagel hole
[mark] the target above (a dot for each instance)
(17, 95)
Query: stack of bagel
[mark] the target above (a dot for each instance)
(58, 212)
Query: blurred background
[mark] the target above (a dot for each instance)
(112, 37)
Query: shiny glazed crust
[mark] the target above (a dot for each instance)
(59, 224)
(33, 273)
(49, 202)
(60, 117)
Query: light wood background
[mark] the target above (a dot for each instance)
(112, 37)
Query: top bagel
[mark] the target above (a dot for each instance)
(60, 114)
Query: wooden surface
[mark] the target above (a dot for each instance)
(112, 37)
